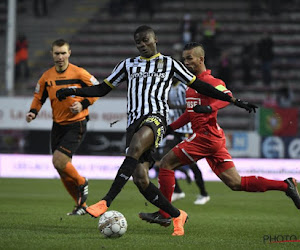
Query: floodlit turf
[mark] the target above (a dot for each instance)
(33, 216)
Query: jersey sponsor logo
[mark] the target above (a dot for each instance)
(191, 103)
(148, 74)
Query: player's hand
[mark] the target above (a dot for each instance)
(245, 105)
(30, 116)
(76, 108)
(169, 130)
(63, 93)
(202, 109)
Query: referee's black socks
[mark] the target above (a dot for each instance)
(125, 172)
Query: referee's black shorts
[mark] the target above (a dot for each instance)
(67, 138)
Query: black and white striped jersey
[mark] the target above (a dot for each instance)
(176, 100)
(148, 83)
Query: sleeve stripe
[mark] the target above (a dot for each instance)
(221, 88)
(109, 84)
(194, 79)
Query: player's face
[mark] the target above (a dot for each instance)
(61, 56)
(146, 43)
(192, 61)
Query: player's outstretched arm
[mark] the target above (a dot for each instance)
(92, 91)
(208, 90)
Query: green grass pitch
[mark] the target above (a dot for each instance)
(33, 216)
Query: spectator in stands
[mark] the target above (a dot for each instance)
(247, 62)
(40, 8)
(21, 57)
(266, 55)
(188, 29)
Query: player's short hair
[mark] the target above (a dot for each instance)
(59, 43)
(192, 45)
(143, 28)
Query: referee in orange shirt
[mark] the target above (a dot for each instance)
(69, 118)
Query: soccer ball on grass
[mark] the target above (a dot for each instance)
(112, 224)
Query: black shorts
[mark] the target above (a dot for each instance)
(157, 123)
(178, 137)
(169, 142)
(67, 138)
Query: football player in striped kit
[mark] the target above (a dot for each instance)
(149, 78)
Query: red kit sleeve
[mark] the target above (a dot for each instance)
(181, 121)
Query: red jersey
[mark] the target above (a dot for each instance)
(208, 140)
(206, 124)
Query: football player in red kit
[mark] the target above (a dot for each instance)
(208, 141)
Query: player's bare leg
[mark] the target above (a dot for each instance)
(141, 141)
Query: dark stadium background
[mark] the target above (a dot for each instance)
(101, 35)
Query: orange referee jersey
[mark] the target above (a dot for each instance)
(51, 81)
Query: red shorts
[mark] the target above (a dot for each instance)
(213, 149)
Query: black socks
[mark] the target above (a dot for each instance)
(153, 195)
(125, 172)
(198, 179)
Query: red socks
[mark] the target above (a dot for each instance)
(166, 181)
(260, 184)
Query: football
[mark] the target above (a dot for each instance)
(112, 224)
